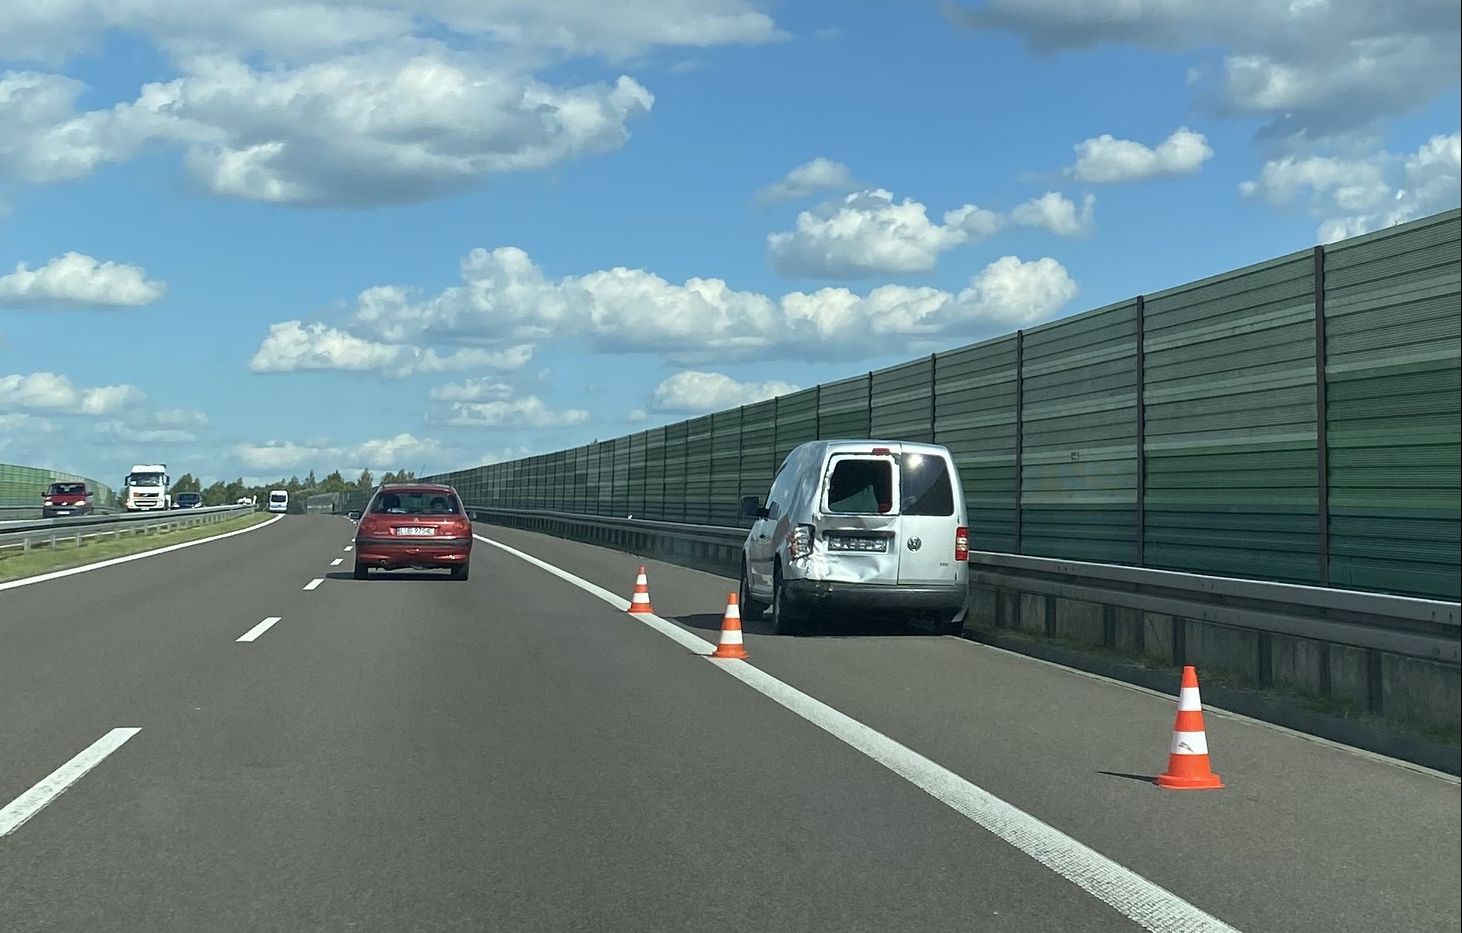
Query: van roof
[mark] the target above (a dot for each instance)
(839, 445)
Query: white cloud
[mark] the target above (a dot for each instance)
(1056, 213)
(293, 28)
(77, 280)
(1313, 68)
(471, 390)
(49, 392)
(358, 130)
(392, 453)
(809, 178)
(1351, 196)
(695, 392)
(292, 346)
(506, 297)
(636, 415)
(867, 233)
(529, 411)
(1107, 159)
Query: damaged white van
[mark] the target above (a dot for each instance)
(853, 526)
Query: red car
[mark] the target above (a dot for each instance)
(66, 498)
(413, 525)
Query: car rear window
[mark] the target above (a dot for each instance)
(924, 485)
(415, 502)
(860, 487)
(66, 489)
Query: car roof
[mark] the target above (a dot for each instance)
(424, 487)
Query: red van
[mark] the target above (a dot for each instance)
(67, 498)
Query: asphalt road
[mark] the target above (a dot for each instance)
(512, 753)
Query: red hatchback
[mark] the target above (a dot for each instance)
(413, 525)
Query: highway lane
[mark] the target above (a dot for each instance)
(413, 753)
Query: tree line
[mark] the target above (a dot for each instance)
(223, 493)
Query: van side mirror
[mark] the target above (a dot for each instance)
(751, 507)
(354, 516)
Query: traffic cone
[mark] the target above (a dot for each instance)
(1188, 767)
(639, 603)
(730, 645)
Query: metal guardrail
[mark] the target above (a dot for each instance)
(48, 532)
(1403, 625)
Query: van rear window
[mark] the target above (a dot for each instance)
(860, 487)
(924, 485)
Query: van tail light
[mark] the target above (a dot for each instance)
(962, 544)
(799, 542)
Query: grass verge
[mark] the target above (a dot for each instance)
(16, 564)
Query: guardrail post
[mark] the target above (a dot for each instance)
(1322, 438)
(1019, 435)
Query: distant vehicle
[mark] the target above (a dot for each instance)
(67, 498)
(146, 488)
(245, 500)
(188, 500)
(278, 500)
(414, 525)
(859, 525)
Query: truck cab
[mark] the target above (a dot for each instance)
(145, 488)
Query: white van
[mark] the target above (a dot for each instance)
(855, 525)
(278, 500)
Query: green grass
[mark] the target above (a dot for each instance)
(16, 564)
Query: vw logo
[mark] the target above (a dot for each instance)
(915, 544)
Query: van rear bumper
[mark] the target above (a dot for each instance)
(838, 594)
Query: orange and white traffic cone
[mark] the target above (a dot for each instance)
(639, 603)
(1188, 767)
(730, 645)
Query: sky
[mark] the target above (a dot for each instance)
(429, 234)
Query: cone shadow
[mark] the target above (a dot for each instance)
(1144, 778)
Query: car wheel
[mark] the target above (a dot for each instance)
(362, 572)
(784, 619)
(750, 608)
(459, 572)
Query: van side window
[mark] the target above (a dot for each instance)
(924, 485)
(860, 487)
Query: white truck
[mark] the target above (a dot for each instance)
(146, 488)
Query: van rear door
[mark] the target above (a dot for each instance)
(927, 518)
(858, 522)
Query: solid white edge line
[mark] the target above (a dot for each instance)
(51, 786)
(112, 562)
(314, 583)
(337, 562)
(259, 629)
(1145, 903)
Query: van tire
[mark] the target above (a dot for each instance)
(784, 620)
(362, 572)
(750, 608)
(943, 626)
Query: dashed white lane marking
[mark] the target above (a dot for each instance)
(349, 547)
(52, 785)
(337, 562)
(1147, 904)
(314, 583)
(259, 629)
(85, 568)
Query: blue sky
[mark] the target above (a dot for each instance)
(427, 234)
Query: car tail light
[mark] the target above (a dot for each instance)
(368, 526)
(461, 527)
(962, 544)
(799, 542)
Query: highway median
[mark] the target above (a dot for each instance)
(67, 553)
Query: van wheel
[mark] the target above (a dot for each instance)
(944, 626)
(362, 572)
(784, 619)
(750, 608)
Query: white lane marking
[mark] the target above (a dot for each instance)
(337, 562)
(314, 583)
(258, 630)
(84, 568)
(349, 547)
(52, 785)
(1149, 905)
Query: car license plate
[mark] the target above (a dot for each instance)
(416, 531)
(857, 543)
